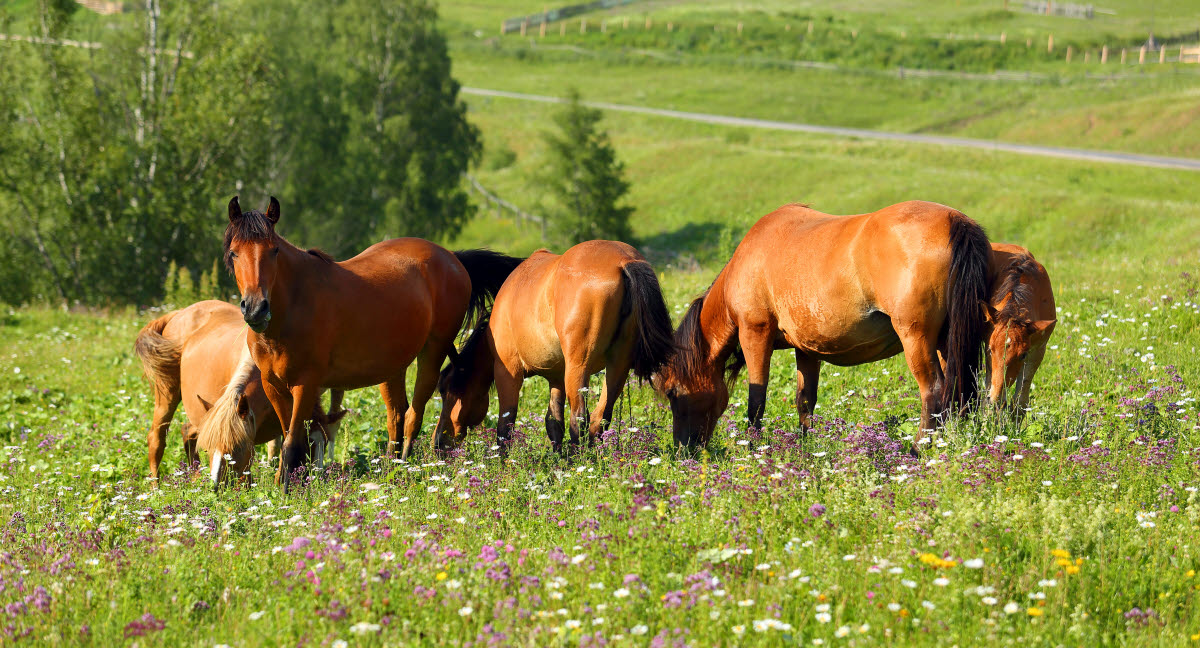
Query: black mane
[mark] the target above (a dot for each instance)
(253, 225)
(1020, 296)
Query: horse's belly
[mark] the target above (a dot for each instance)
(864, 340)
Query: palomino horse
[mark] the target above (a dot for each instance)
(1021, 316)
(189, 355)
(840, 289)
(316, 323)
(597, 306)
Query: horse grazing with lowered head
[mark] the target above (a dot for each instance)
(563, 317)
(1020, 317)
(189, 355)
(845, 290)
(315, 322)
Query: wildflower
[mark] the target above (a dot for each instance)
(842, 632)
(894, 607)
(1050, 582)
(1072, 569)
(824, 617)
(738, 630)
(441, 576)
(941, 582)
(989, 600)
(465, 611)
(908, 583)
(339, 643)
(745, 602)
(864, 628)
(973, 563)
(572, 624)
(928, 605)
(824, 607)
(763, 566)
(655, 461)
(255, 616)
(362, 627)
(621, 593)
(1011, 608)
(453, 584)
(431, 516)
(849, 557)
(578, 559)
(598, 621)
(639, 630)
(1034, 612)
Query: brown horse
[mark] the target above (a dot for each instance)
(563, 317)
(1021, 316)
(189, 355)
(840, 289)
(316, 323)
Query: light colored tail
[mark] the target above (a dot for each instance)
(224, 431)
(160, 358)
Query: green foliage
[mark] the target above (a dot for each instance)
(584, 178)
(116, 161)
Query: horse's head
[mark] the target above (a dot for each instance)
(464, 385)
(252, 255)
(692, 382)
(230, 453)
(1013, 335)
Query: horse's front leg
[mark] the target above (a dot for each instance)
(757, 340)
(295, 444)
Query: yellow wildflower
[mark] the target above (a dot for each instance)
(1060, 553)
(441, 575)
(1034, 612)
(1062, 562)
(1072, 569)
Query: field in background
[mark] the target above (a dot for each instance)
(1078, 528)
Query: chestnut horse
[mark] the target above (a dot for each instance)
(1021, 316)
(316, 323)
(563, 317)
(840, 289)
(189, 355)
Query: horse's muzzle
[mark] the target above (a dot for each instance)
(257, 313)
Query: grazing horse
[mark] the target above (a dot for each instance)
(189, 355)
(563, 317)
(315, 322)
(1021, 316)
(840, 289)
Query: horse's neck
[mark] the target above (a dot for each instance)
(299, 276)
(717, 323)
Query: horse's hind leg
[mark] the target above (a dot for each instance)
(429, 364)
(615, 376)
(808, 371)
(758, 343)
(921, 353)
(189, 433)
(396, 401)
(156, 439)
(576, 380)
(555, 426)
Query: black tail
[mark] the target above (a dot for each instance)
(644, 301)
(487, 270)
(970, 254)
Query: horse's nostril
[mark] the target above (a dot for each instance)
(266, 305)
(243, 304)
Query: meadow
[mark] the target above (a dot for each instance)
(1078, 527)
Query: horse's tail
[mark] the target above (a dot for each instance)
(224, 431)
(970, 255)
(487, 270)
(643, 300)
(160, 357)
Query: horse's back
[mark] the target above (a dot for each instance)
(190, 319)
(833, 284)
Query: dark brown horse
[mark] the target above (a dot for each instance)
(598, 306)
(190, 355)
(1021, 316)
(840, 289)
(315, 322)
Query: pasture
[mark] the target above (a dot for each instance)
(1077, 528)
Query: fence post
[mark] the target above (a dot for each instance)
(542, 29)
(647, 22)
(1068, 53)
(1142, 55)
(1050, 44)
(625, 23)
(1124, 52)
(810, 27)
(562, 28)
(524, 25)
(1003, 37)
(502, 28)
(603, 26)
(1162, 55)
(1181, 53)
(583, 25)
(1104, 55)
(739, 28)
(670, 26)
(1086, 55)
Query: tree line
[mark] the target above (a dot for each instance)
(115, 161)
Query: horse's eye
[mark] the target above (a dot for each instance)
(233, 255)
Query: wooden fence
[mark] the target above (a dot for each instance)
(500, 206)
(523, 23)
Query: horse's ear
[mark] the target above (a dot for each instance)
(243, 406)
(203, 403)
(1041, 328)
(989, 313)
(273, 211)
(235, 210)
(330, 419)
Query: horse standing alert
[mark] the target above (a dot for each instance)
(315, 322)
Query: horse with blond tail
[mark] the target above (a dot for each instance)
(190, 356)
(317, 323)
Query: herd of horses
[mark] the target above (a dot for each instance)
(917, 277)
